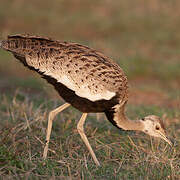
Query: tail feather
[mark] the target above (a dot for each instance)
(30, 37)
(23, 44)
(16, 44)
(2, 43)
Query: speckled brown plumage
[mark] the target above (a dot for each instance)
(82, 64)
(85, 78)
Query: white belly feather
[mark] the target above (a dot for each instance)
(83, 90)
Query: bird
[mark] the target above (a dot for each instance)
(85, 78)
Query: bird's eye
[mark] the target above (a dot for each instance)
(143, 119)
(157, 127)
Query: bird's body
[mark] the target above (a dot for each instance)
(83, 77)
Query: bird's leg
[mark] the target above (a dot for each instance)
(80, 129)
(51, 117)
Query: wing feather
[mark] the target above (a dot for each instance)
(84, 70)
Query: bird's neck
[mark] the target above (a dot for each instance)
(118, 118)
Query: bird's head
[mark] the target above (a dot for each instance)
(153, 126)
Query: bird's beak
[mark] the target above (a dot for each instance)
(163, 136)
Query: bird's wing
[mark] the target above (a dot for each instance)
(81, 82)
(89, 80)
(86, 71)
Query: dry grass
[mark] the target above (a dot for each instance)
(122, 154)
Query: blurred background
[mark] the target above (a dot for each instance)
(142, 36)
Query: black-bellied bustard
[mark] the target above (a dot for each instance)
(85, 79)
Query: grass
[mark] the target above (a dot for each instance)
(125, 155)
(142, 36)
